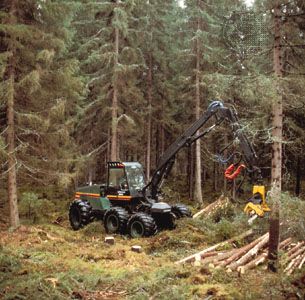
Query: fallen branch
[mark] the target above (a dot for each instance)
(212, 248)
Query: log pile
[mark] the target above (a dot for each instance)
(295, 258)
(249, 256)
(221, 203)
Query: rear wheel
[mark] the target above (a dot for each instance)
(115, 220)
(80, 214)
(141, 225)
(166, 221)
(181, 211)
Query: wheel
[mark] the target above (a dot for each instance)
(141, 225)
(181, 211)
(115, 220)
(80, 214)
(166, 221)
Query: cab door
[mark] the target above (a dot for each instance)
(117, 181)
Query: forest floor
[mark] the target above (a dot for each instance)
(48, 261)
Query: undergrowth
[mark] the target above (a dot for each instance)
(47, 261)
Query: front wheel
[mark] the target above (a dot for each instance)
(80, 214)
(115, 220)
(181, 211)
(141, 225)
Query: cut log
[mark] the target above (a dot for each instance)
(260, 258)
(285, 243)
(240, 252)
(218, 259)
(295, 248)
(302, 262)
(293, 264)
(212, 248)
(252, 252)
(297, 253)
(252, 264)
(221, 201)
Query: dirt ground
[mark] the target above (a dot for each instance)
(49, 261)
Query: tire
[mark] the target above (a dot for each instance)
(166, 221)
(181, 211)
(141, 225)
(115, 220)
(80, 214)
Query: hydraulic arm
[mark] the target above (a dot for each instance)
(217, 110)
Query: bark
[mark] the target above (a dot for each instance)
(277, 123)
(149, 121)
(198, 189)
(11, 182)
(114, 113)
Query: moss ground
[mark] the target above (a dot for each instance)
(48, 261)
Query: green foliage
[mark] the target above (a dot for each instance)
(33, 208)
(292, 216)
(93, 229)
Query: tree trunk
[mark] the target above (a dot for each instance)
(277, 123)
(190, 171)
(114, 114)
(12, 184)
(298, 177)
(225, 165)
(198, 190)
(157, 143)
(215, 172)
(149, 95)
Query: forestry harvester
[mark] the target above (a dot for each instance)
(127, 204)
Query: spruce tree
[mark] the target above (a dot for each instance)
(41, 91)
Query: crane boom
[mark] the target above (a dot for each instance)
(220, 112)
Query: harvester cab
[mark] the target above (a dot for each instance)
(125, 180)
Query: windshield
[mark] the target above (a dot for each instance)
(135, 177)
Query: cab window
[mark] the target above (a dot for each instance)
(117, 178)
